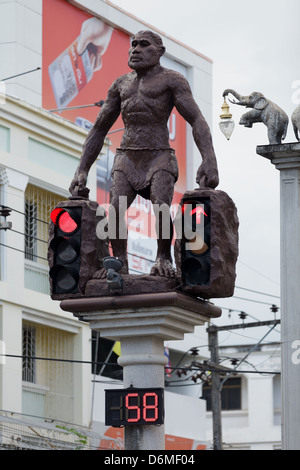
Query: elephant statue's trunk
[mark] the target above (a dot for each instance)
(242, 100)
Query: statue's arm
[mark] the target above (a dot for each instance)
(207, 174)
(95, 139)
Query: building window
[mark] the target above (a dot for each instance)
(31, 230)
(4, 138)
(105, 353)
(48, 372)
(230, 395)
(38, 206)
(28, 369)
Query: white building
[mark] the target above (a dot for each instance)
(35, 146)
(39, 152)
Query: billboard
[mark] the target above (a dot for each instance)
(82, 56)
(113, 439)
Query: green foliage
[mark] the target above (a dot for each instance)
(82, 439)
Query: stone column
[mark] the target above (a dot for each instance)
(286, 158)
(142, 323)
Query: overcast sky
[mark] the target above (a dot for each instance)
(254, 47)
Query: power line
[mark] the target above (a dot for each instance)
(29, 216)
(23, 251)
(251, 300)
(131, 269)
(258, 272)
(71, 361)
(29, 236)
(106, 363)
(19, 74)
(258, 292)
(140, 257)
(99, 104)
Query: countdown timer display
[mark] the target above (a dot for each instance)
(134, 406)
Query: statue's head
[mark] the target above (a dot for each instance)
(145, 51)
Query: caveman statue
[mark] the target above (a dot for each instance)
(145, 164)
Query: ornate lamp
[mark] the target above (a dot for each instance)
(226, 124)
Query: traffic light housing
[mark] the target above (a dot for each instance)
(73, 247)
(195, 262)
(207, 250)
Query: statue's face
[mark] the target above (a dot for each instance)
(144, 52)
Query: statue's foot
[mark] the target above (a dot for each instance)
(163, 267)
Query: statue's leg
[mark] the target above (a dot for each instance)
(250, 118)
(161, 195)
(121, 197)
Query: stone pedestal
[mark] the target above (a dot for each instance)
(142, 323)
(286, 158)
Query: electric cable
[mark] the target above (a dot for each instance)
(258, 292)
(77, 361)
(29, 236)
(19, 74)
(98, 104)
(153, 261)
(22, 251)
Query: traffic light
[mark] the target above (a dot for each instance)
(66, 248)
(195, 261)
(73, 247)
(207, 251)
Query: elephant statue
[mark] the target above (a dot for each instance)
(295, 118)
(264, 111)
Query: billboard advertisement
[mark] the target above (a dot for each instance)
(82, 56)
(113, 439)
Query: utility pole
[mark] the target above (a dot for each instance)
(215, 388)
(216, 384)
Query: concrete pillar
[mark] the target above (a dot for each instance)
(82, 374)
(286, 158)
(260, 412)
(143, 361)
(142, 323)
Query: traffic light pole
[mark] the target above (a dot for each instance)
(215, 388)
(142, 323)
(286, 158)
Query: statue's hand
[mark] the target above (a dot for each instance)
(78, 185)
(207, 176)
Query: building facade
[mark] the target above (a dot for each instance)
(36, 146)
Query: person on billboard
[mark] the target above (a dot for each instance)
(94, 34)
(145, 163)
(70, 72)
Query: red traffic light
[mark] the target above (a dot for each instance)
(195, 208)
(65, 219)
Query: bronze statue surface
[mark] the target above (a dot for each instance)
(145, 164)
